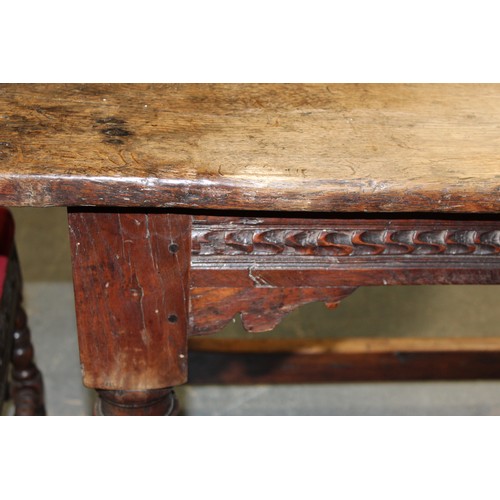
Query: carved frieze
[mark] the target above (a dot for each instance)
(263, 268)
(344, 242)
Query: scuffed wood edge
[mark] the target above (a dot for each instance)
(241, 194)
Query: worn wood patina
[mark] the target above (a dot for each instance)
(322, 148)
(190, 204)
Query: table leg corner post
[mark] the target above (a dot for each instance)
(131, 278)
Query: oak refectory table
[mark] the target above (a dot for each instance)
(189, 204)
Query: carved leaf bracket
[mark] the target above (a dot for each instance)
(261, 309)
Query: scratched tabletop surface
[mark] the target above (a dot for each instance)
(280, 147)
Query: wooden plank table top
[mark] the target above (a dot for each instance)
(284, 147)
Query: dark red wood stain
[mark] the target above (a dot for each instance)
(127, 284)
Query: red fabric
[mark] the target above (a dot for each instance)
(6, 241)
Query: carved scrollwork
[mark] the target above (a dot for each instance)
(344, 243)
(262, 268)
(260, 309)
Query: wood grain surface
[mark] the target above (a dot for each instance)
(285, 147)
(130, 276)
(344, 345)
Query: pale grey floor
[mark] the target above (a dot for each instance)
(427, 311)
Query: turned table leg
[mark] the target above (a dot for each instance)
(130, 273)
(155, 402)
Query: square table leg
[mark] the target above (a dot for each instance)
(131, 277)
